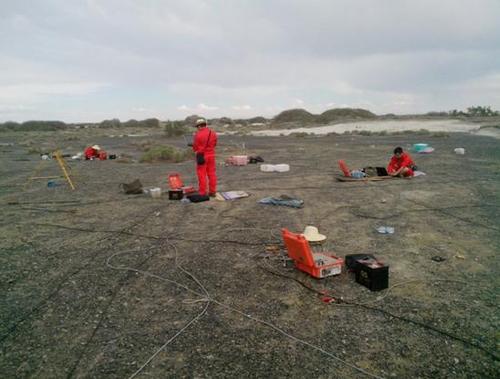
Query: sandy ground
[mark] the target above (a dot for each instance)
(379, 126)
(489, 132)
(91, 284)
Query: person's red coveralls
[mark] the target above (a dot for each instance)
(205, 141)
(91, 153)
(403, 161)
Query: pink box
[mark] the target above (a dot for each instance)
(239, 160)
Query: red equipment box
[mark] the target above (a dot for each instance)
(175, 183)
(318, 265)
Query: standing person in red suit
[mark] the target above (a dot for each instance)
(401, 164)
(204, 144)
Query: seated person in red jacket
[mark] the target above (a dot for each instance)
(401, 164)
(92, 152)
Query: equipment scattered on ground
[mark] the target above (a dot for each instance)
(372, 274)
(283, 167)
(175, 194)
(197, 198)
(367, 173)
(351, 260)
(237, 160)
(375, 171)
(53, 183)
(311, 234)
(133, 188)
(256, 159)
(385, 230)
(344, 168)
(231, 195)
(422, 148)
(366, 179)
(283, 200)
(64, 168)
(155, 192)
(175, 183)
(419, 147)
(357, 174)
(318, 265)
(438, 258)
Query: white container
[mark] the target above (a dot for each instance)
(459, 151)
(282, 167)
(155, 192)
(266, 167)
(274, 167)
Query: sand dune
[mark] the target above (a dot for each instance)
(379, 126)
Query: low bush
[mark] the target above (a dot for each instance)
(174, 129)
(166, 154)
(299, 134)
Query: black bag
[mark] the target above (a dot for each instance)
(196, 198)
(200, 157)
(255, 159)
(133, 188)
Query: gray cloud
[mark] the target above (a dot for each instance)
(65, 59)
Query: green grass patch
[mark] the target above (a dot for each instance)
(299, 134)
(166, 154)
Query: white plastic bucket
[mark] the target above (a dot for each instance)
(155, 192)
(274, 167)
(459, 151)
(281, 167)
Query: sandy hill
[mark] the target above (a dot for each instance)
(294, 115)
(344, 113)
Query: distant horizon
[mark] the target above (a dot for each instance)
(145, 117)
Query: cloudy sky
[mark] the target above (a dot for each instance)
(87, 60)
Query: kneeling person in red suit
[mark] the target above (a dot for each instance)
(401, 164)
(92, 152)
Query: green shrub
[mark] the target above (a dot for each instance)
(299, 134)
(41, 126)
(174, 129)
(440, 134)
(365, 133)
(166, 154)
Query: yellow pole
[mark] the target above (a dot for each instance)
(63, 168)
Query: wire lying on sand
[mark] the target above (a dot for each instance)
(205, 296)
(349, 303)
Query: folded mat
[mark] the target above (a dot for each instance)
(231, 195)
(284, 200)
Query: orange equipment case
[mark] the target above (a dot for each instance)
(175, 182)
(318, 265)
(344, 168)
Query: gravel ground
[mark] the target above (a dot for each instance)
(93, 281)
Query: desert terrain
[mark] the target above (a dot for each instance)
(96, 283)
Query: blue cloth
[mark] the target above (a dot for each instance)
(356, 174)
(284, 201)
